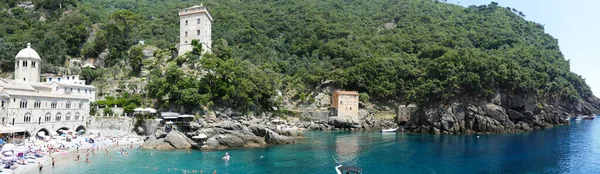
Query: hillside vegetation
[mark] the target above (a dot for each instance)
(407, 51)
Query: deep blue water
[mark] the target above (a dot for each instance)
(566, 149)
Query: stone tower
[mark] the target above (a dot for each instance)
(194, 23)
(27, 65)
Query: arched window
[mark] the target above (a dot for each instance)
(68, 117)
(77, 116)
(58, 117)
(48, 117)
(27, 117)
(68, 105)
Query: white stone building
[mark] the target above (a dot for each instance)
(58, 103)
(194, 23)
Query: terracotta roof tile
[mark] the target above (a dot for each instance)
(346, 92)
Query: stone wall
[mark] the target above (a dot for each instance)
(118, 123)
(316, 115)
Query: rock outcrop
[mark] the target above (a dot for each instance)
(168, 141)
(503, 114)
(222, 133)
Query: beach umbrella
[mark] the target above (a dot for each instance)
(8, 147)
(169, 122)
(139, 109)
(41, 133)
(81, 130)
(150, 110)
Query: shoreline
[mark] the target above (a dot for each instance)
(67, 157)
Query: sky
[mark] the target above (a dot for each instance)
(573, 22)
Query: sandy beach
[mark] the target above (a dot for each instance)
(108, 139)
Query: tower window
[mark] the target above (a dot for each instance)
(33, 64)
(67, 77)
(198, 32)
(186, 34)
(24, 63)
(198, 20)
(186, 23)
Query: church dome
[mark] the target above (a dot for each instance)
(28, 53)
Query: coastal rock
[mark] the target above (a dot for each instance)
(179, 140)
(273, 138)
(211, 143)
(208, 132)
(343, 122)
(258, 130)
(514, 115)
(228, 125)
(230, 141)
(160, 134)
(140, 130)
(195, 126)
(290, 132)
(496, 112)
(323, 100)
(158, 144)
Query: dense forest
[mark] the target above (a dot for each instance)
(408, 51)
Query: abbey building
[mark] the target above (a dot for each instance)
(57, 103)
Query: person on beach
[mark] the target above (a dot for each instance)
(40, 166)
(110, 158)
(53, 161)
(215, 172)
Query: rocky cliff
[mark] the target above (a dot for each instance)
(502, 114)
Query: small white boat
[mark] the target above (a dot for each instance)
(341, 169)
(389, 130)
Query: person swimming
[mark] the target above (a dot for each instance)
(226, 157)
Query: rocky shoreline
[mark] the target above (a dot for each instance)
(216, 134)
(497, 117)
(224, 133)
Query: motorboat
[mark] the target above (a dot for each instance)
(341, 169)
(389, 130)
(588, 117)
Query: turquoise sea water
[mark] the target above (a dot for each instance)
(566, 149)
